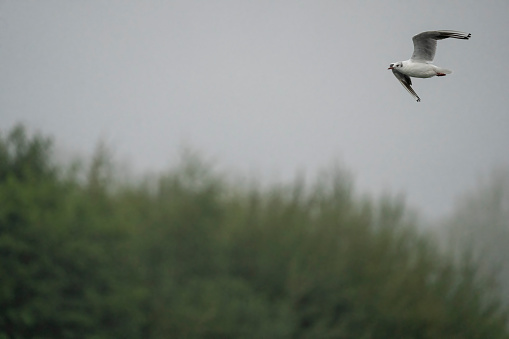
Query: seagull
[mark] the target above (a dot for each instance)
(419, 65)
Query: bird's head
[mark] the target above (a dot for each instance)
(395, 65)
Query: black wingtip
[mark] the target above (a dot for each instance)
(465, 37)
(444, 34)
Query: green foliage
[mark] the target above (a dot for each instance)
(188, 254)
(58, 251)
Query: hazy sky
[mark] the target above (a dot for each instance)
(269, 87)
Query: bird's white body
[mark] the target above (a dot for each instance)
(421, 69)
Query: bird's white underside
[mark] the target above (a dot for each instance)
(421, 70)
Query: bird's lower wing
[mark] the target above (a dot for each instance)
(407, 83)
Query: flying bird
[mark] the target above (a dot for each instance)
(419, 65)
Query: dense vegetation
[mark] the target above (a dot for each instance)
(190, 254)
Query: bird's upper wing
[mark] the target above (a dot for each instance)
(406, 82)
(425, 43)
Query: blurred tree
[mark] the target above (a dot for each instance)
(480, 225)
(188, 254)
(58, 255)
(350, 269)
(22, 158)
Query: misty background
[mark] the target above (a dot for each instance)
(265, 88)
(152, 157)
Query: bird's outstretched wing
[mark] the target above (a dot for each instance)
(425, 43)
(406, 82)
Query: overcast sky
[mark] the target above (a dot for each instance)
(269, 87)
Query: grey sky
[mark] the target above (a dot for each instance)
(266, 86)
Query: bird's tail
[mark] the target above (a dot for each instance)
(443, 70)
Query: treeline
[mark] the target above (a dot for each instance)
(191, 254)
